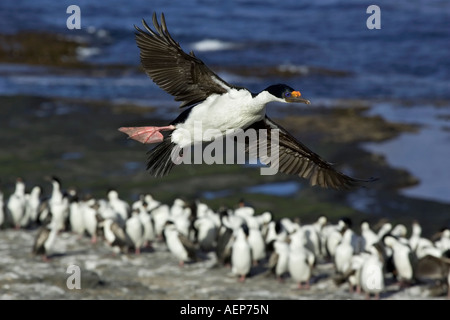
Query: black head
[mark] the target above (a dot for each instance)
(279, 90)
(278, 227)
(285, 92)
(53, 178)
(108, 190)
(347, 221)
(56, 179)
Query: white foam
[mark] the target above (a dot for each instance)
(291, 68)
(212, 45)
(86, 52)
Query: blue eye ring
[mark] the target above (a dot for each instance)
(287, 94)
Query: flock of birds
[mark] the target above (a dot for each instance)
(241, 239)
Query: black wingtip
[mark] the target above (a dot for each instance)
(139, 29)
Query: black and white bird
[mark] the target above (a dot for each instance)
(225, 108)
(278, 263)
(343, 253)
(183, 249)
(442, 241)
(33, 204)
(57, 205)
(369, 237)
(91, 219)
(403, 260)
(115, 236)
(371, 275)
(147, 223)
(225, 239)
(207, 233)
(16, 204)
(119, 205)
(135, 230)
(76, 217)
(241, 254)
(312, 235)
(256, 241)
(2, 210)
(301, 260)
(45, 240)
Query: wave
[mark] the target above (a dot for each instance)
(84, 53)
(212, 45)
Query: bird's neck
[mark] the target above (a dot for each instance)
(263, 98)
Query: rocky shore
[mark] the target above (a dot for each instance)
(156, 275)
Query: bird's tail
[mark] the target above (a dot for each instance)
(159, 162)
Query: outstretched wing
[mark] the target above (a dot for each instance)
(295, 158)
(180, 74)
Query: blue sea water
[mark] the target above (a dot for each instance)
(407, 59)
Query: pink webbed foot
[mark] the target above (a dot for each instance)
(146, 134)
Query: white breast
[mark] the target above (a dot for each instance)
(219, 113)
(241, 259)
(175, 246)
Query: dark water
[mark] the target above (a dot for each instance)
(407, 59)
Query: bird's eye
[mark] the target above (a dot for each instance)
(287, 94)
